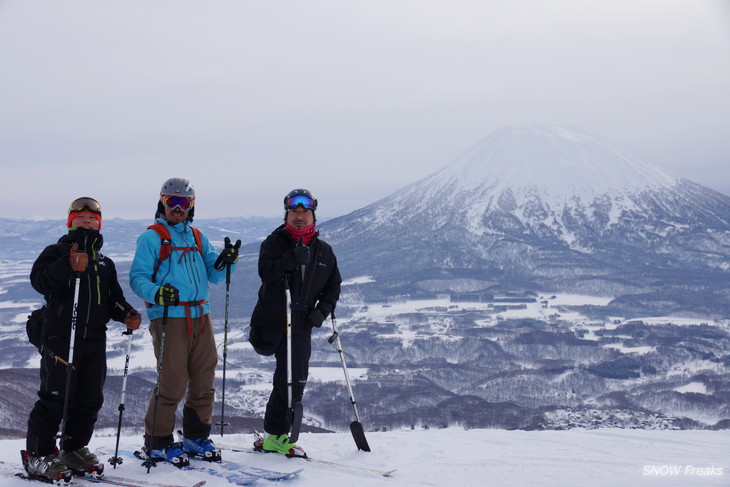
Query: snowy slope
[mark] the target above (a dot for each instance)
(494, 458)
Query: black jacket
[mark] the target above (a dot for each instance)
(100, 296)
(318, 288)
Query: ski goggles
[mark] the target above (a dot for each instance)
(301, 200)
(85, 204)
(173, 201)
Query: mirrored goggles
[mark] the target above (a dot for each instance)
(301, 200)
(85, 204)
(173, 201)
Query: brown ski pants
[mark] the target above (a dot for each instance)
(188, 364)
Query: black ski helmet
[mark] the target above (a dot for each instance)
(300, 192)
(179, 186)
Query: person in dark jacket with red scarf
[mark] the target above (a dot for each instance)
(73, 271)
(294, 258)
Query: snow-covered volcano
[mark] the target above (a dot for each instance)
(553, 163)
(540, 208)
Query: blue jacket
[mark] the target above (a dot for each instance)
(189, 273)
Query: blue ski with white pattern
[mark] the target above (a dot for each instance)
(238, 478)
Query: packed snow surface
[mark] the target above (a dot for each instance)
(453, 456)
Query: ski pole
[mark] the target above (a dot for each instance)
(223, 422)
(149, 462)
(296, 410)
(358, 433)
(72, 342)
(289, 388)
(116, 459)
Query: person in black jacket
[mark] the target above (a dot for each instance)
(75, 261)
(291, 257)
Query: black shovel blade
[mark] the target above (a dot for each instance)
(358, 433)
(297, 412)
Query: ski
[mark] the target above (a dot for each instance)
(123, 482)
(63, 479)
(238, 467)
(238, 478)
(110, 480)
(250, 470)
(382, 473)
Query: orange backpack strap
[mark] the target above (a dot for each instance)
(166, 247)
(198, 239)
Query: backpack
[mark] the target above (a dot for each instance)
(34, 326)
(166, 247)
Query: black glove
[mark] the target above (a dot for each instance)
(167, 295)
(299, 255)
(315, 318)
(229, 255)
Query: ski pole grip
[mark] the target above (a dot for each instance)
(333, 337)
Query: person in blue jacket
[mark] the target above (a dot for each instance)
(172, 267)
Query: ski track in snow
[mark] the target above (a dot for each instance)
(453, 456)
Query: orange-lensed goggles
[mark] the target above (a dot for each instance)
(85, 204)
(173, 201)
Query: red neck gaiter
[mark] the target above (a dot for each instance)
(306, 232)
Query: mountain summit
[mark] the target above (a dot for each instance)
(542, 209)
(553, 162)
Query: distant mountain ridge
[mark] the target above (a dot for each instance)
(545, 208)
(526, 209)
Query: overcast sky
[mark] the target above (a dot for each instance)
(351, 99)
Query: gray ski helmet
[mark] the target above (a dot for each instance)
(176, 186)
(179, 186)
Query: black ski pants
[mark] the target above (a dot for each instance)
(85, 395)
(275, 419)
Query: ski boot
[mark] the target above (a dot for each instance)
(48, 468)
(203, 448)
(277, 444)
(172, 453)
(82, 462)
